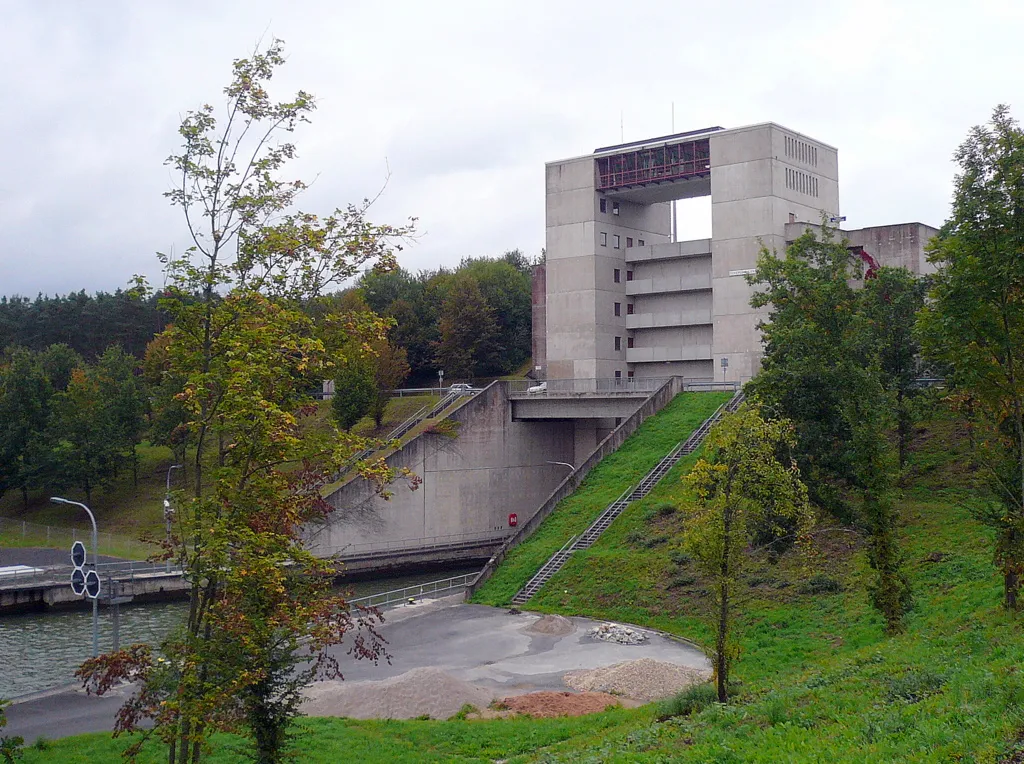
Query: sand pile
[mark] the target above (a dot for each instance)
(555, 625)
(644, 679)
(420, 692)
(559, 703)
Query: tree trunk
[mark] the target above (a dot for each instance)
(721, 658)
(24, 496)
(1011, 588)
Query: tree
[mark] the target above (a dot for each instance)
(741, 487)
(822, 370)
(974, 321)
(467, 330)
(891, 302)
(25, 395)
(10, 745)
(248, 356)
(58, 362)
(124, 403)
(354, 391)
(85, 450)
(390, 370)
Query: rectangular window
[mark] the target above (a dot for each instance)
(616, 277)
(604, 205)
(629, 309)
(604, 239)
(629, 242)
(640, 243)
(629, 374)
(618, 374)
(615, 208)
(618, 309)
(629, 342)
(615, 241)
(629, 275)
(618, 343)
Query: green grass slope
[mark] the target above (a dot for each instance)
(605, 483)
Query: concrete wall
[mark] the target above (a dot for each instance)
(759, 176)
(609, 445)
(471, 483)
(540, 321)
(903, 245)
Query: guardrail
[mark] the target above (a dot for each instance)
(427, 543)
(610, 386)
(395, 596)
(127, 569)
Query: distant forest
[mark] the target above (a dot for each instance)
(472, 321)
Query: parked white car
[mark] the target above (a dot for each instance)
(541, 388)
(462, 389)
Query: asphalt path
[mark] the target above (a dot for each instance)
(43, 557)
(482, 645)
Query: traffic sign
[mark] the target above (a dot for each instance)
(92, 584)
(78, 581)
(78, 554)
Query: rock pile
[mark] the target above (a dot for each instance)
(614, 632)
(645, 679)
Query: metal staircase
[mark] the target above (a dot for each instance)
(634, 493)
(427, 412)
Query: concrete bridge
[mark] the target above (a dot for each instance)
(612, 398)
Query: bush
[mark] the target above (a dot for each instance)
(914, 685)
(681, 579)
(680, 558)
(637, 538)
(820, 584)
(692, 700)
(659, 510)
(10, 745)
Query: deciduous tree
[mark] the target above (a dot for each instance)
(974, 320)
(741, 487)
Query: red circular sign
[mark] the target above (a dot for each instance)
(513, 520)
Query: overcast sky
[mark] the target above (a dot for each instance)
(465, 102)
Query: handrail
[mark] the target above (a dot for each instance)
(382, 599)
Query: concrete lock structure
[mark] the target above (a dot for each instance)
(624, 299)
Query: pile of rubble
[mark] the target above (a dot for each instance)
(614, 632)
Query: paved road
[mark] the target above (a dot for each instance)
(479, 644)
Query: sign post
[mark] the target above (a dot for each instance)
(89, 582)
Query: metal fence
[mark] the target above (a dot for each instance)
(599, 386)
(24, 533)
(398, 596)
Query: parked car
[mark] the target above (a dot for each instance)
(463, 389)
(541, 388)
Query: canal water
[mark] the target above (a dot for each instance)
(39, 651)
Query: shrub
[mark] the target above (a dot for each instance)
(681, 579)
(820, 584)
(677, 557)
(914, 685)
(659, 510)
(692, 700)
(637, 538)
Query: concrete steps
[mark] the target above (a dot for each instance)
(634, 493)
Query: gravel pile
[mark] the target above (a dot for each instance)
(614, 632)
(559, 703)
(645, 679)
(420, 692)
(557, 625)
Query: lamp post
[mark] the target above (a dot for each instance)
(440, 382)
(95, 562)
(168, 511)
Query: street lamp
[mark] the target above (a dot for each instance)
(168, 511)
(440, 382)
(95, 563)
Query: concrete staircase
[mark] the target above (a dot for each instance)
(634, 493)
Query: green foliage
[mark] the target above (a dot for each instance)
(740, 485)
(25, 396)
(692, 700)
(837, 364)
(974, 321)
(821, 584)
(467, 330)
(354, 391)
(914, 685)
(10, 745)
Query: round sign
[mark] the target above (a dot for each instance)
(513, 520)
(78, 581)
(92, 584)
(78, 554)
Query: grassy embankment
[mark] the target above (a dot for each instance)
(819, 679)
(128, 511)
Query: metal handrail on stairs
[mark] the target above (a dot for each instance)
(631, 494)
